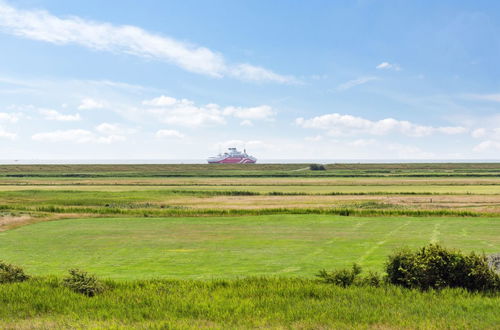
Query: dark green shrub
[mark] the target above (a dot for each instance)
(317, 167)
(372, 279)
(84, 283)
(11, 273)
(342, 277)
(434, 267)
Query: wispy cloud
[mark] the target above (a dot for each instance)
(90, 104)
(388, 66)
(355, 82)
(169, 133)
(43, 26)
(50, 114)
(483, 97)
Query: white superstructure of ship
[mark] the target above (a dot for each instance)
(232, 156)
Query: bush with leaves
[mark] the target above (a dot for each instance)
(84, 283)
(317, 167)
(435, 267)
(372, 279)
(11, 273)
(348, 277)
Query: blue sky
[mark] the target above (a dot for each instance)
(285, 79)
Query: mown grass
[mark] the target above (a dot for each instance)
(228, 247)
(243, 303)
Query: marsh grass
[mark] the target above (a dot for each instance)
(178, 211)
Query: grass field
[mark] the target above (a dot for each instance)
(180, 245)
(265, 189)
(254, 170)
(204, 248)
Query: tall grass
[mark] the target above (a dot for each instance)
(263, 211)
(244, 303)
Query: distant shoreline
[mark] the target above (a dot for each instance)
(263, 161)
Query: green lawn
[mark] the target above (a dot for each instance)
(228, 247)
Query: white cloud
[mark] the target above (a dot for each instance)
(7, 135)
(43, 26)
(402, 151)
(169, 133)
(90, 104)
(113, 129)
(362, 143)
(254, 73)
(246, 122)
(103, 134)
(50, 114)
(161, 101)
(184, 112)
(338, 125)
(241, 144)
(254, 113)
(10, 117)
(388, 66)
(316, 138)
(73, 135)
(479, 133)
(450, 130)
(355, 82)
(491, 133)
(488, 145)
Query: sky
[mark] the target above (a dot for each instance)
(157, 79)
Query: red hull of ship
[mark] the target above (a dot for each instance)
(232, 160)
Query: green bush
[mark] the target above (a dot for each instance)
(435, 267)
(11, 273)
(84, 283)
(317, 167)
(372, 279)
(342, 277)
(348, 277)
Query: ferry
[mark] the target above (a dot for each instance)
(232, 156)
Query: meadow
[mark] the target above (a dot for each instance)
(239, 246)
(231, 247)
